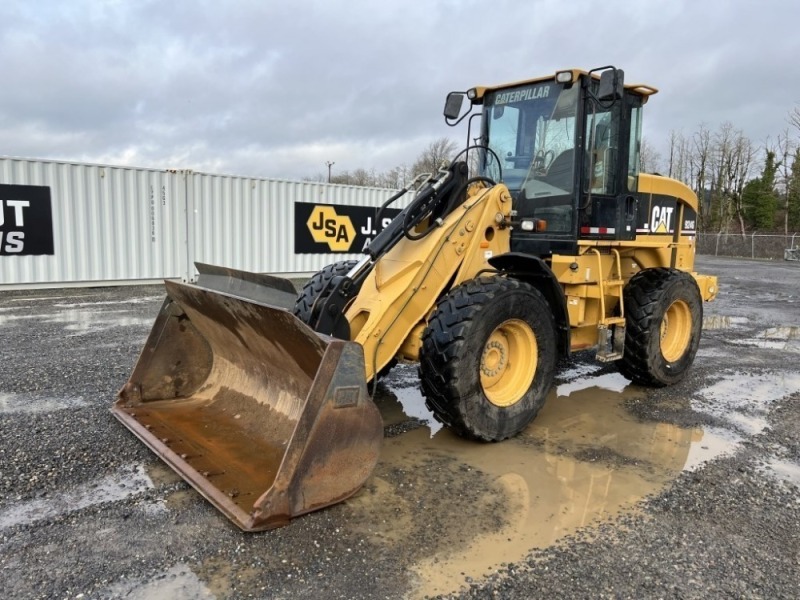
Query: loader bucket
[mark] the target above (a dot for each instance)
(265, 418)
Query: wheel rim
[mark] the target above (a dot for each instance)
(508, 362)
(676, 331)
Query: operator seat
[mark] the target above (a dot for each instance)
(561, 170)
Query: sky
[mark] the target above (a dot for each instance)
(278, 89)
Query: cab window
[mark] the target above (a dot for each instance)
(602, 149)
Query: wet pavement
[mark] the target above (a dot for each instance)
(583, 460)
(614, 490)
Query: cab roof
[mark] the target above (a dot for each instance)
(637, 88)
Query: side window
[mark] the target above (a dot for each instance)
(503, 129)
(634, 155)
(602, 151)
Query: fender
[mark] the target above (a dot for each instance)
(533, 270)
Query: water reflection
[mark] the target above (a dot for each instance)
(78, 321)
(584, 459)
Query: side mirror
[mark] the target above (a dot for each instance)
(453, 105)
(612, 85)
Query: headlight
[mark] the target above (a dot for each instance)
(563, 76)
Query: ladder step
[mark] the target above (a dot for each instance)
(608, 356)
(610, 342)
(613, 321)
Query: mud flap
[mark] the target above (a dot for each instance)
(265, 418)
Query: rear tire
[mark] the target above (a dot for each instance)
(488, 357)
(315, 286)
(663, 320)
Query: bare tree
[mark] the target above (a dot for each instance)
(699, 158)
(784, 151)
(680, 160)
(794, 118)
(364, 178)
(438, 153)
(731, 164)
(649, 158)
(395, 178)
(677, 143)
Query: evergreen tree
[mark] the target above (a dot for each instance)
(759, 198)
(793, 192)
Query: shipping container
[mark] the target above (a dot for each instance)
(78, 224)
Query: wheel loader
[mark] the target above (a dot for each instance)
(541, 238)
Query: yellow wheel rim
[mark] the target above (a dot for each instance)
(676, 331)
(508, 362)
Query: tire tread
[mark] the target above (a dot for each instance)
(445, 347)
(642, 299)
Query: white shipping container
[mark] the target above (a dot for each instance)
(117, 225)
(249, 223)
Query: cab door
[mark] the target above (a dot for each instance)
(608, 205)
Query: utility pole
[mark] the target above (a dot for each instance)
(330, 163)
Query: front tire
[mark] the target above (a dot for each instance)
(488, 357)
(316, 286)
(663, 321)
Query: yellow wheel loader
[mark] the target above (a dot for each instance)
(541, 239)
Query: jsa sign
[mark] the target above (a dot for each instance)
(326, 228)
(26, 220)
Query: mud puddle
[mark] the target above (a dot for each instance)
(613, 382)
(412, 404)
(127, 481)
(80, 321)
(710, 443)
(585, 459)
(723, 322)
(29, 403)
(37, 298)
(176, 583)
(580, 370)
(127, 301)
(783, 470)
(744, 399)
(161, 474)
(775, 338)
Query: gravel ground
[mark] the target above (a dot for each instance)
(615, 491)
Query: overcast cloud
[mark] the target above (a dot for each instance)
(275, 89)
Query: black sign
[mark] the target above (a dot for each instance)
(26, 220)
(327, 228)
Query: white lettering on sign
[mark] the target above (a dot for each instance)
(17, 205)
(660, 218)
(531, 93)
(14, 241)
(26, 220)
(369, 228)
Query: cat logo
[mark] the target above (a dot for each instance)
(327, 227)
(660, 219)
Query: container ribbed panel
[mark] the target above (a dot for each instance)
(124, 224)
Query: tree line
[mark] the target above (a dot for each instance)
(430, 160)
(742, 186)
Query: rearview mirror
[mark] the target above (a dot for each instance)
(453, 104)
(612, 85)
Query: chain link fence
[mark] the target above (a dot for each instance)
(751, 245)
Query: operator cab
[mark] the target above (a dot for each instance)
(567, 147)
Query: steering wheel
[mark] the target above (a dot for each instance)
(542, 161)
